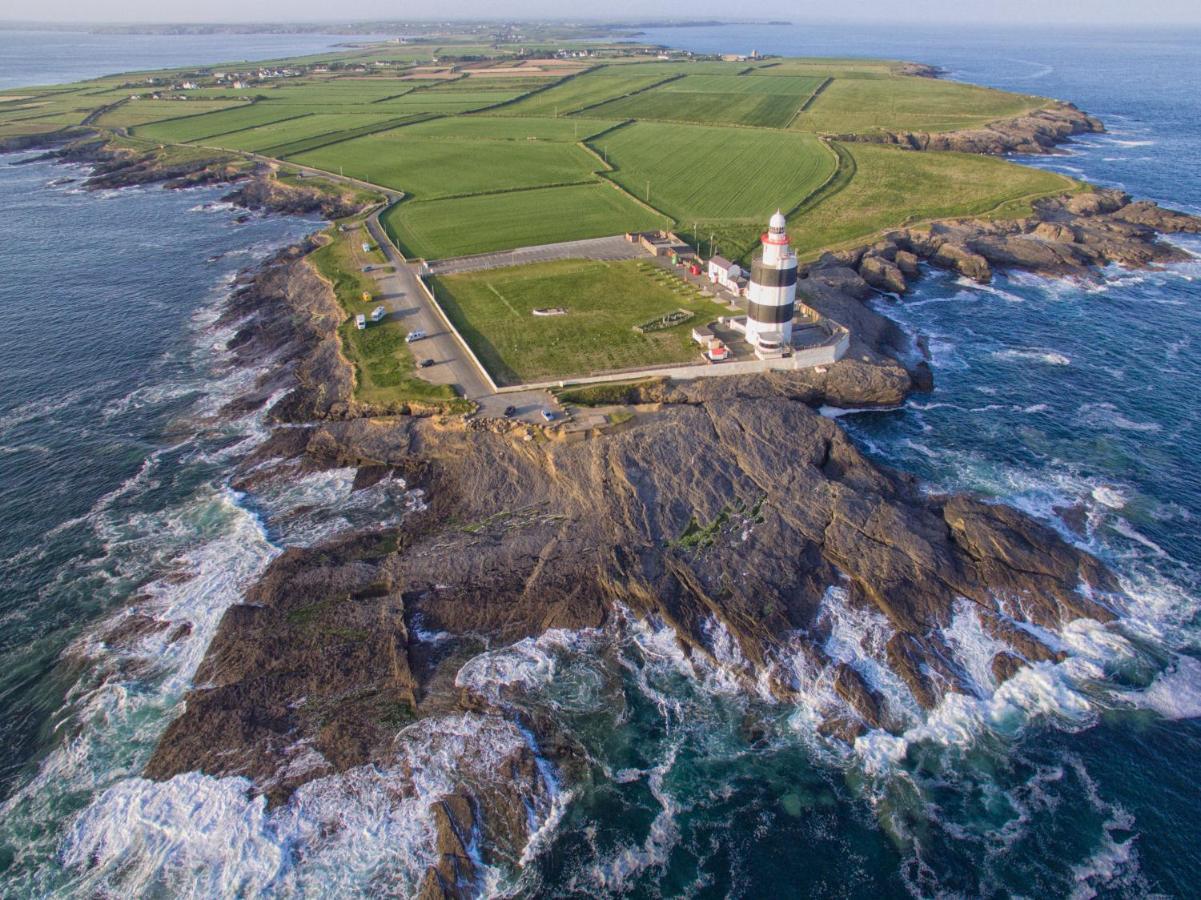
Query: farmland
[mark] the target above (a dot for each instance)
(583, 91)
(893, 187)
(715, 174)
(432, 168)
(604, 300)
(851, 105)
(488, 222)
(495, 152)
(195, 128)
(767, 102)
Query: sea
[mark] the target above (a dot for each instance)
(1075, 401)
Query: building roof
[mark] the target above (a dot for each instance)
(777, 222)
(720, 261)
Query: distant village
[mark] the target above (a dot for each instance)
(162, 88)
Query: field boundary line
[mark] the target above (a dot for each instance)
(441, 313)
(534, 93)
(627, 95)
(195, 115)
(810, 100)
(209, 137)
(386, 125)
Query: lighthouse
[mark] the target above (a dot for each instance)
(772, 295)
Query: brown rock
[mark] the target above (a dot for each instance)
(908, 263)
(962, 260)
(1005, 666)
(882, 274)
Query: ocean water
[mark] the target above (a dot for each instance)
(54, 57)
(1074, 401)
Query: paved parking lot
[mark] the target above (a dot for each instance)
(616, 247)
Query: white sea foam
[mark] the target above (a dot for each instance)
(1103, 416)
(616, 871)
(1034, 354)
(837, 412)
(1176, 692)
(527, 665)
(368, 830)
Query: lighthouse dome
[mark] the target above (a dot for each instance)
(777, 222)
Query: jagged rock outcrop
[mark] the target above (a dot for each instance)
(1072, 235)
(1040, 131)
(736, 514)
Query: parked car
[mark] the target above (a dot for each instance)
(549, 415)
(414, 336)
(510, 412)
(426, 363)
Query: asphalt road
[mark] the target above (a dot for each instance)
(405, 300)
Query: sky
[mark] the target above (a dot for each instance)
(1077, 12)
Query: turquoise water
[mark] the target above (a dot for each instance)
(1074, 401)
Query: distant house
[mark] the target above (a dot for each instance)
(702, 335)
(724, 272)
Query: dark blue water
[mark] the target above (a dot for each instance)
(1074, 401)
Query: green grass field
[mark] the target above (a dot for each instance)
(582, 91)
(142, 112)
(431, 168)
(661, 105)
(497, 128)
(290, 131)
(492, 162)
(850, 105)
(891, 187)
(436, 229)
(207, 125)
(785, 85)
(605, 300)
(714, 174)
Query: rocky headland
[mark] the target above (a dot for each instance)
(728, 509)
(1040, 131)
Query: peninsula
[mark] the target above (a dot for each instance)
(527, 242)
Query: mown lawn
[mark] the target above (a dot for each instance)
(436, 229)
(892, 187)
(714, 174)
(604, 301)
(385, 371)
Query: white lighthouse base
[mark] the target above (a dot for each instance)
(769, 340)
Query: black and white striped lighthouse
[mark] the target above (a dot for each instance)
(772, 294)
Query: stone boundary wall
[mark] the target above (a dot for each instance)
(458, 337)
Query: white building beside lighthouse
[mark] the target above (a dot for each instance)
(771, 297)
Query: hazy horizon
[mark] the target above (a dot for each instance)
(1149, 14)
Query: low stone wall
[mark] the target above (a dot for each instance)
(825, 355)
(458, 337)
